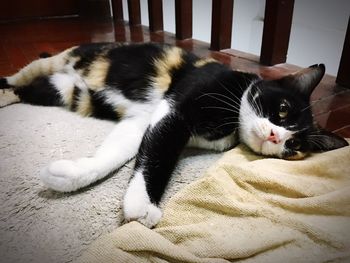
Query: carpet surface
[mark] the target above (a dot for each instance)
(246, 209)
(40, 225)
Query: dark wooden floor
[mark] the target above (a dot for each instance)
(21, 42)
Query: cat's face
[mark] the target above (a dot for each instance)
(276, 118)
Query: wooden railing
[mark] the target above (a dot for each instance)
(343, 76)
(276, 31)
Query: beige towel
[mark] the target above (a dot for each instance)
(250, 209)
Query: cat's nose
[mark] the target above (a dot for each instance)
(274, 137)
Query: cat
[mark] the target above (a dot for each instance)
(162, 99)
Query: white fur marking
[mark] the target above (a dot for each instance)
(160, 112)
(132, 108)
(137, 205)
(64, 84)
(217, 145)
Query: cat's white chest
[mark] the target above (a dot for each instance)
(218, 145)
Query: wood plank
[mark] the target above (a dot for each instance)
(134, 12)
(117, 8)
(221, 25)
(343, 76)
(183, 19)
(277, 27)
(155, 14)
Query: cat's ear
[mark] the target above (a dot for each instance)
(305, 80)
(321, 140)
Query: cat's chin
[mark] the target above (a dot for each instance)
(271, 149)
(254, 141)
(264, 147)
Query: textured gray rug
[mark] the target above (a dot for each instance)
(40, 225)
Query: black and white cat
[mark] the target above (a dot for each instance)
(162, 99)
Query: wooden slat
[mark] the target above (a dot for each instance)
(183, 19)
(221, 25)
(155, 14)
(277, 26)
(136, 34)
(134, 12)
(119, 31)
(117, 8)
(343, 76)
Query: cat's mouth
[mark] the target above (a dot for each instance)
(269, 145)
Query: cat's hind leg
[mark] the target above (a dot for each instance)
(58, 89)
(41, 91)
(120, 146)
(31, 84)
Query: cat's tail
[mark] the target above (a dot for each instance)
(41, 67)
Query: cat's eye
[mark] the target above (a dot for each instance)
(283, 111)
(294, 144)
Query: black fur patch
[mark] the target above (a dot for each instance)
(101, 109)
(39, 92)
(75, 99)
(4, 84)
(88, 54)
(131, 69)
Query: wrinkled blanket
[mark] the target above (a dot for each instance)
(247, 209)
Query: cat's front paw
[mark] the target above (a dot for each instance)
(66, 175)
(146, 213)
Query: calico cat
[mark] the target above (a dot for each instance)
(162, 99)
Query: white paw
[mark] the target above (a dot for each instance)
(146, 213)
(67, 176)
(7, 97)
(137, 205)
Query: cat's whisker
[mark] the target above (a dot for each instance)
(311, 104)
(230, 117)
(317, 142)
(253, 103)
(231, 106)
(259, 107)
(314, 136)
(301, 130)
(216, 107)
(223, 86)
(212, 95)
(259, 101)
(322, 99)
(227, 123)
(218, 94)
(318, 138)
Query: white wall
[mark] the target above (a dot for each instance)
(317, 35)
(318, 32)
